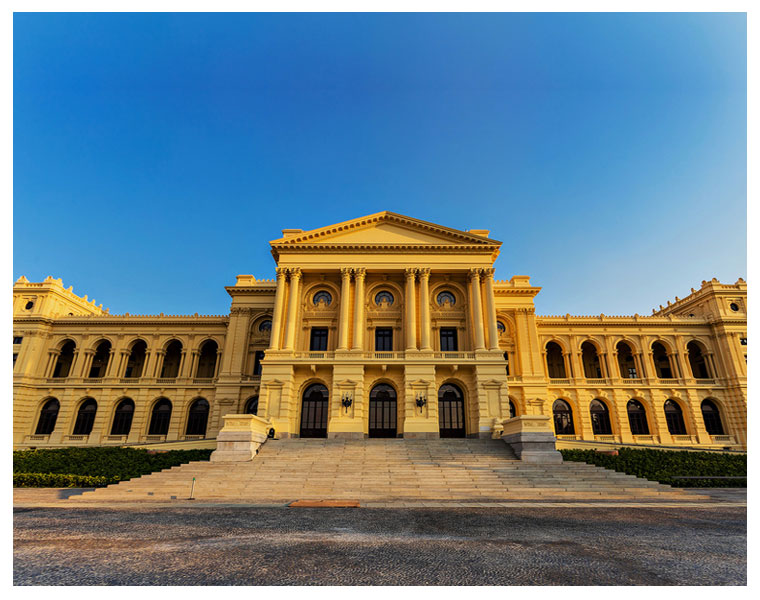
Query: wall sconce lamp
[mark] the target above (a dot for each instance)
(346, 400)
(421, 401)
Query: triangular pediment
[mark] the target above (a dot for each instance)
(385, 229)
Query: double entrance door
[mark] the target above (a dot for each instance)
(382, 412)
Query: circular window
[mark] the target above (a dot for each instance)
(446, 298)
(384, 297)
(29, 305)
(500, 326)
(322, 296)
(265, 325)
(733, 306)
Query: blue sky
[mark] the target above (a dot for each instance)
(155, 155)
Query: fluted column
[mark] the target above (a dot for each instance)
(493, 329)
(425, 309)
(279, 301)
(477, 309)
(290, 322)
(411, 315)
(345, 294)
(359, 275)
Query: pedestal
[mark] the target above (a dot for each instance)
(531, 439)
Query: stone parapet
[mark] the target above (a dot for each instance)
(531, 439)
(240, 438)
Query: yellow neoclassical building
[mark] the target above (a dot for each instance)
(382, 326)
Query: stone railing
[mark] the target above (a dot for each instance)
(705, 382)
(598, 381)
(669, 381)
(558, 381)
(455, 355)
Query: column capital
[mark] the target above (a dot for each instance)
(474, 274)
(281, 272)
(488, 272)
(295, 272)
(345, 272)
(360, 272)
(424, 272)
(410, 272)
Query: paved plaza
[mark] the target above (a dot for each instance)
(538, 544)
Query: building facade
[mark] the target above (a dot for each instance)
(381, 326)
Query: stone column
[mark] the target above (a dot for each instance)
(158, 367)
(345, 309)
(194, 363)
(111, 362)
(181, 372)
(425, 309)
(52, 361)
(639, 362)
(359, 326)
(493, 329)
(279, 301)
(290, 322)
(411, 315)
(477, 309)
(123, 361)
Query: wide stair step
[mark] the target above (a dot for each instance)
(386, 470)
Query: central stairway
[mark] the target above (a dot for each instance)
(383, 470)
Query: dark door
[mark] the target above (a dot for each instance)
(382, 411)
(314, 412)
(451, 412)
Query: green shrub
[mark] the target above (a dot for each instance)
(665, 466)
(115, 464)
(58, 480)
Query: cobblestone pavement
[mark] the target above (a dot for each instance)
(224, 545)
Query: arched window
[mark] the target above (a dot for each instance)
(661, 361)
(265, 326)
(451, 415)
(674, 418)
(563, 418)
(626, 363)
(172, 357)
(382, 411)
(100, 360)
(48, 417)
(600, 418)
(252, 406)
(85, 417)
(122, 418)
(323, 296)
(65, 359)
(197, 418)
(711, 416)
(637, 418)
(136, 361)
(697, 361)
(207, 360)
(512, 410)
(160, 417)
(314, 411)
(555, 362)
(500, 327)
(384, 297)
(446, 298)
(591, 365)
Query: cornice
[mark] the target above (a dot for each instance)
(375, 248)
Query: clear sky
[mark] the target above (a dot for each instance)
(155, 155)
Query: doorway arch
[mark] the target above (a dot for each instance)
(314, 410)
(382, 411)
(451, 411)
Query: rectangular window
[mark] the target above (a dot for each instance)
(506, 360)
(257, 358)
(17, 339)
(632, 373)
(318, 339)
(15, 356)
(383, 339)
(448, 339)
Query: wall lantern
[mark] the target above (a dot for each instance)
(346, 400)
(421, 401)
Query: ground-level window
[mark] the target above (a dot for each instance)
(197, 417)
(252, 406)
(563, 418)
(711, 416)
(85, 417)
(600, 418)
(160, 417)
(122, 418)
(637, 418)
(674, 418)
(48, 417)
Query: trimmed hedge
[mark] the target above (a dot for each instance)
(665, 465)
(113, 463)
(58, 480)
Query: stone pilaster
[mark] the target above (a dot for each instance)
(279, 301)
(477, 309)
(411, 313)
(290, 322)
(425, 309)
(345, 308)
(493, 330)
(359, 326)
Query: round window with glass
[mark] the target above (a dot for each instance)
(384, 298)
(322, 296)
(501, 327)
(446, 298)
(265, 326)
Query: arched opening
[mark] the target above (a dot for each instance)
(512, 410)
(160, 417)
(637, 418)
(100, 360)
(48, 417)
(600, 418)
(122, 417)
(136, 360)
(661, 361)
(592, 368)
(252, 406)
(197, 417)
(382, 411)
(711, 417)
(314, 411)
(697, 361)
(563, 418)
(207, 360)
(674, 418)
(555, 362)
(65, 360)
(85, 417)
(626, 362)
(451, 411)
(172, 358)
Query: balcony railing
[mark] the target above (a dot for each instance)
(558, 381)
(706, 382)
(129, 380)
(203, 380)
(166, 380)
(669, 381)
(632, 380)
(722, 439)
(684, 439)
(598, 381)
(455, 355)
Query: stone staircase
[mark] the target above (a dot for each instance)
(378, 470)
